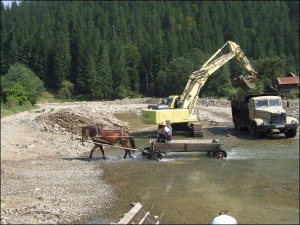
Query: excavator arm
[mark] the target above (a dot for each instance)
(198, 78)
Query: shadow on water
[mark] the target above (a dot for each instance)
(71, 159)
(85, 158)
(241, 134)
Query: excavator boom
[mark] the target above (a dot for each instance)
(180, 109)
(198, 78)
(248, 81)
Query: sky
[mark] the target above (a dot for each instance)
(5, 2)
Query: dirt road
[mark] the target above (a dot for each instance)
(45, 180)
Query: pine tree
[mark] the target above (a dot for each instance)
(105, 81)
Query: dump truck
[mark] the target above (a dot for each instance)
(261, 115)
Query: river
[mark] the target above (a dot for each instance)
(258, 182)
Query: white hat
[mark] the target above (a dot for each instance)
(163, 123)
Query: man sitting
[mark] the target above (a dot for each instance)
(165, 134)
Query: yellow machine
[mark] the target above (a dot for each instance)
(180, 109)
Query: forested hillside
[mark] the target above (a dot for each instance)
(113, 49)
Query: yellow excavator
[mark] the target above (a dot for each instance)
(180, 109)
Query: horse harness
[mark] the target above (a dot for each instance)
(96, 138)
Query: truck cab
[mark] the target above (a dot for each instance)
(265, 107)
(263, 114)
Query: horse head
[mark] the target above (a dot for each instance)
(85, 133)
(89, 131)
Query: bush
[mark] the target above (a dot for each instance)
(15, 95)
(293, 94)
(121, 92)
(133, 94)
(66, 90)
(19, 73)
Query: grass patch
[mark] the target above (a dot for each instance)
(6, 111)
(50, 96)
(79, 98)
(47, 96)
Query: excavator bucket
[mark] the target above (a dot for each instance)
(248, 82)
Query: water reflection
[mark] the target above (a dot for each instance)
(258, 182)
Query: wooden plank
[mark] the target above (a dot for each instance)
(131, 214)
(162, 214)
(146, 196)
(143, 219)
(190, 141)
(188, 146)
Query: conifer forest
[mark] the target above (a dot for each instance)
(117, 49)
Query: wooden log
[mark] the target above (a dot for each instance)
(131, 214)
(143, 219)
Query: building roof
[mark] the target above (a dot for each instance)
(288, 80)
(290, 74)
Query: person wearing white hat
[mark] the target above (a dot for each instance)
(224, 218)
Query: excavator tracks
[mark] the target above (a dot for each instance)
(197, 130)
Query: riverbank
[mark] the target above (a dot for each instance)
(44, 177)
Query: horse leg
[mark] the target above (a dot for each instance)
(92, 150)
(102, 150)
(127, 152)
(130, 156)
(132, 144)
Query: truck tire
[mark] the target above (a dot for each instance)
(156, 155)
(290, 133)
(254, 131)
(238, 124)
(219, 153)
(235, 124)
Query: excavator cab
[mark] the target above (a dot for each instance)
(246, 82)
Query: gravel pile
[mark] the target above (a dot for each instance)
(67, 118)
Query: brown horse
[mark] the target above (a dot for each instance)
(102, 137)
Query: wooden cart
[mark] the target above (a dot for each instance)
(211, 146)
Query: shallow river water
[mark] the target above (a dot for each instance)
(258, 182)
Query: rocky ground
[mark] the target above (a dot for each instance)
(45, 180)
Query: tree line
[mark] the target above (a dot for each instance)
(117, 49)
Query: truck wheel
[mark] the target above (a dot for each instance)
(238, 124)
(156, 155)
(254, 131)
(290, 133)
(220, 153)
(235, 124)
